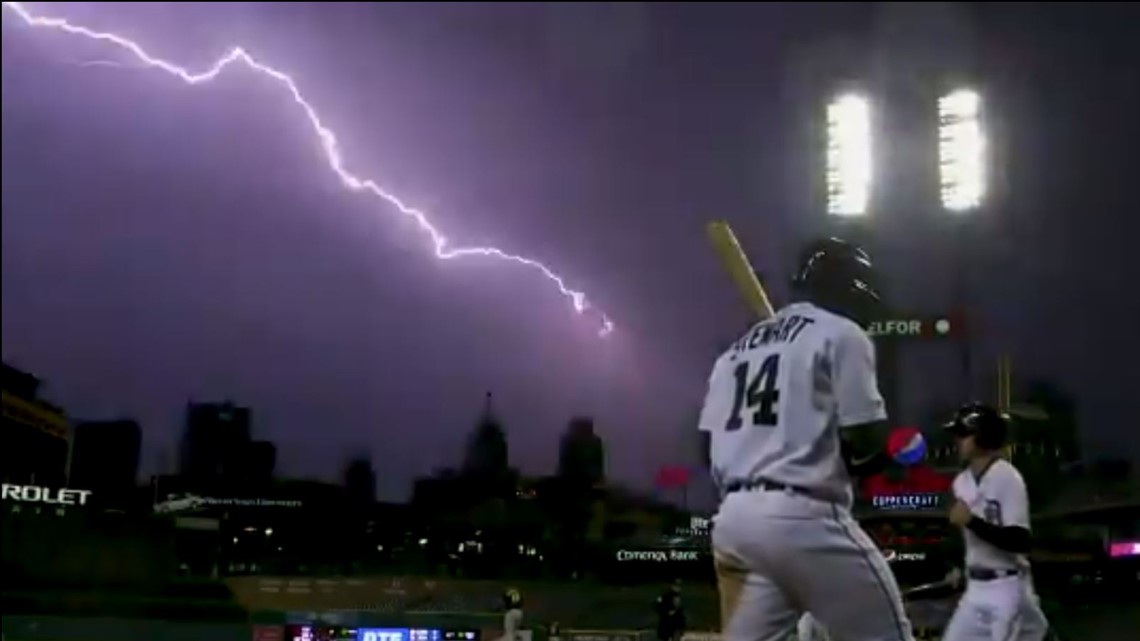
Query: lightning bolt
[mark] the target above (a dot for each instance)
(239, 56)
(102, 63)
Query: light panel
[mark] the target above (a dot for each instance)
(961, 151)
(849, 163)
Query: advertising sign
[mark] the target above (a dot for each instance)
(384, 634)
(600, 635)
(268, 633)
(314, 632)
(892, 500)
(657, 556)
(1124, 548)
(45, 495)
(194, 502)
(699, 526)
(892, 556)
(915, 326)
(914, 485)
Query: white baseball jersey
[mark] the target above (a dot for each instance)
(779, 395)
(998, 497)
(512, 624)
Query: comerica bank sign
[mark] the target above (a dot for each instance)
(659, 556)
(45, 495)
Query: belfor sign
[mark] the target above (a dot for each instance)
(914, 327)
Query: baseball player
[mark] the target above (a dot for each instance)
(792, 413)
(992, 508)
(670, 610)
(512, 616)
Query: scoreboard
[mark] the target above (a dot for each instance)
(341, 633)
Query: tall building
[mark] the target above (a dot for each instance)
(215, 438)
(360, 481)
(581, 453)
(487, 454)
(105, 459)
(260, 461)
(34, 440)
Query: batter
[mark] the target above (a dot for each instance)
(793, 412)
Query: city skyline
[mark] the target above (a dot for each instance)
(168, 268)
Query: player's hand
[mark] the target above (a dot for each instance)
(960, 514)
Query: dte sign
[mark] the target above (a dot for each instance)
(384, 635)
(36, 494)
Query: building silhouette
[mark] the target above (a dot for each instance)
(484, 473)
(215, 440)
(360, 481)
(487, 455)
(34, 441)
(105, 460)
(255, 464)
(581, 454)
(442, 491)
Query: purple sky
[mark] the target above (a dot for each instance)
(164, 242)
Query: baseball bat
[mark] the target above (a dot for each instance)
(733, 258)
(927, 587)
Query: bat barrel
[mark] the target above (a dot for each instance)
(738, 266)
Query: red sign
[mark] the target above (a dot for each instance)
(268, 633)
(672, 476)
(917, 479)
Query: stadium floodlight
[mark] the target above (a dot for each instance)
(961, 150)
(849, 166)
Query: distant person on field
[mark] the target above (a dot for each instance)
(513, 616)
(670, 613)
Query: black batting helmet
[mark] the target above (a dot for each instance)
(988, 426)
(837, 275)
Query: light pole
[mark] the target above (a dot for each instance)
(963, 182)
(962, 151)
(851, 176)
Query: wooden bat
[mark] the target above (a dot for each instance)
(928, 588)
(736, 262)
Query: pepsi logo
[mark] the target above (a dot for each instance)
(890, 556)
(906, 446)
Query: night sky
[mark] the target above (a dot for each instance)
(163, 242)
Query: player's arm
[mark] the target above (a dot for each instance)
(859, 405)
(1012, 534)
(1011, 538)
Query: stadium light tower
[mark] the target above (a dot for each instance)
(849, 158)
(961, 151)
(962, 168)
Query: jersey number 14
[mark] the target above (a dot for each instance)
(757, 394)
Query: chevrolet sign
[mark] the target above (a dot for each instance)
(36, 494)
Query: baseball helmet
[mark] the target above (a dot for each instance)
(988, 426)
(839, 276)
